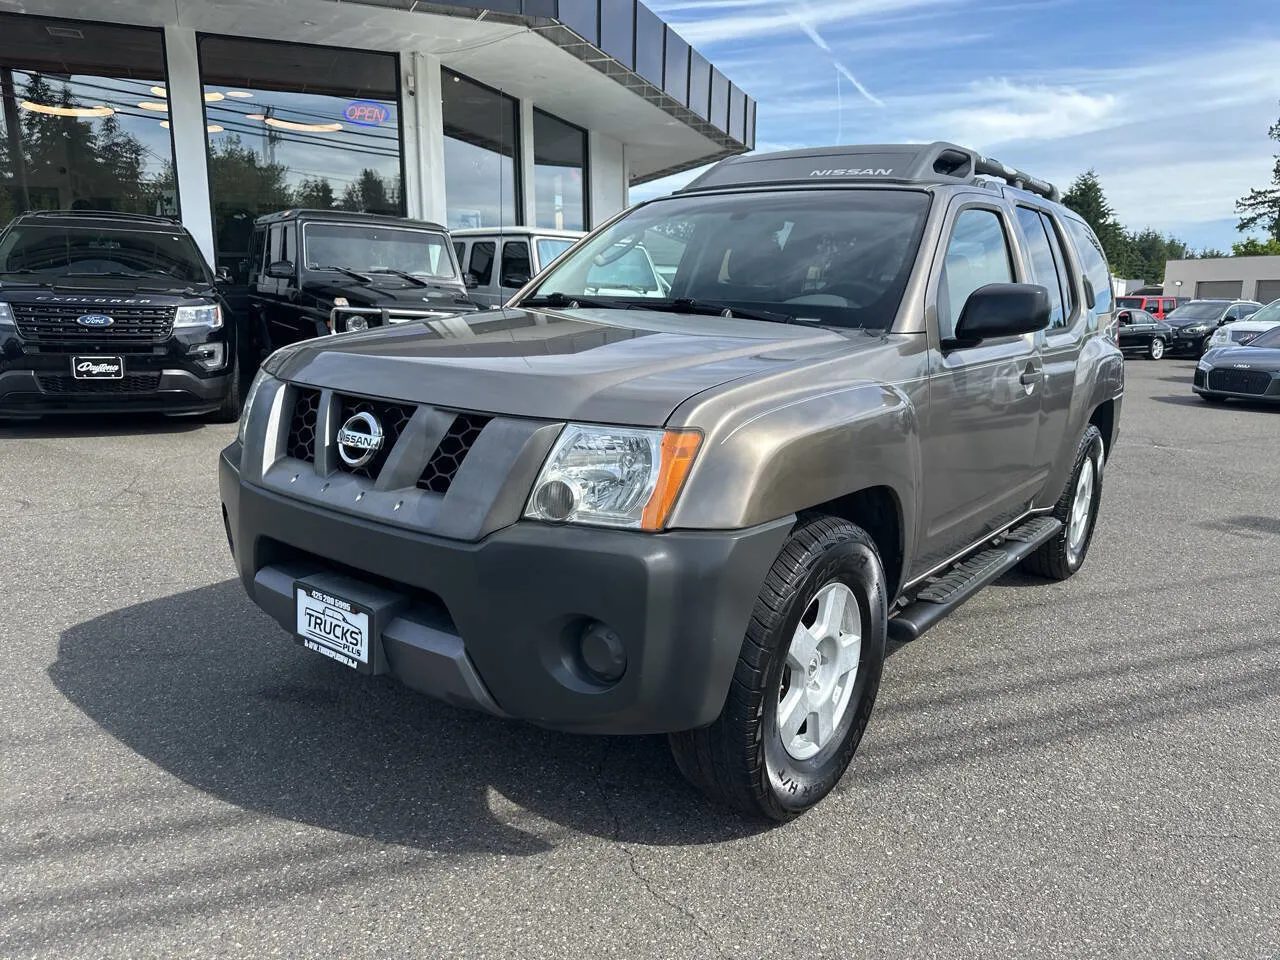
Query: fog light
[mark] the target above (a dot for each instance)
(357, 324)
(602, 652)
(556, 500)
(211, 356)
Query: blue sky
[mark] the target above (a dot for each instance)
(1169, 100)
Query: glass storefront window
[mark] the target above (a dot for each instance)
(297, 126)
(480, 147)
(559, 172)
(74, 133)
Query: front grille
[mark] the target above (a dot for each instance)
(1199, 378)
(447, 460)
(56, 323)
(393, 417)
(1240, 381)
(130, 383)
(301, 444)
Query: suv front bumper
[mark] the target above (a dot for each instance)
(495, 625)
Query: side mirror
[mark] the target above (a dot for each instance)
(1090, 295)
(469, 281)
(281, 270)
(223, 275)
(1001, 310)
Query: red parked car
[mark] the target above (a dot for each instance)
(1159, 307)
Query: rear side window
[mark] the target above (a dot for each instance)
(1044, 268)
(1094, 265)
(977, 254)
(460, 251)
(516, 268)
(481, 267)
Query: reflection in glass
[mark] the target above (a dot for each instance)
(74, 135)
(559, 167)
(481, 188)
(311, 127)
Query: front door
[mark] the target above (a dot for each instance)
(979, 436)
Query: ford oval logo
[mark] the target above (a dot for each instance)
(95, 320)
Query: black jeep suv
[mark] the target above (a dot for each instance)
(104, 311)
(317, 272)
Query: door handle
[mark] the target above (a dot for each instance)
(1031, 376)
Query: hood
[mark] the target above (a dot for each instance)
(604, 366)
(1181, 322)
(1255, 358)
(391, 291)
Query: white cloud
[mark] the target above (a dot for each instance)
(721, 21)
(1001, 111)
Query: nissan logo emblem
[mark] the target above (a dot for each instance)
(359, 440)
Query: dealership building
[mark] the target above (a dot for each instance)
(473, 114)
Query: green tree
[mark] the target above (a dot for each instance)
(369, 194)
(1261, 208)
(1211, 253)
(1256, 248)
(1087, 198)
(314, 193)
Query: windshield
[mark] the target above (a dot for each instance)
(74, 251)
(1268, 314)
(1133, 302)
(1270, 339)
(551, 247)
(840, 258)
(1204, 310)
(373, 249)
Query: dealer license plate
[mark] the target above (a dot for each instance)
(97, 368)
(336, 628)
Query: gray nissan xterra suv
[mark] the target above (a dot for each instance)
(883, 377)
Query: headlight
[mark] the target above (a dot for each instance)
(249, 397)
(6, 315)
(613, 477)
(355, 323)
(1220, 336)
(1204, 363)
(204, 315)
(1196, 328)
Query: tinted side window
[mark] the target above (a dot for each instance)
(1043, 269)
(516, 269)
(1248, 309)
(482, 255)
(1094, 264)
(1065, 280)
(460, 251)
(977, 254)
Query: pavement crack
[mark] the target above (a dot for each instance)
(674, 905)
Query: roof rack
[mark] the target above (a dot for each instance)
(939, 162)
(99, 215)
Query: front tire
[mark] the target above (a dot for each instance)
(229, 411)
(1155, 350)
(806, 678)
(1077, 508)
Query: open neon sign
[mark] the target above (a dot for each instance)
(366, 113)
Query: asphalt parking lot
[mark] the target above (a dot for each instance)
(1083, 769)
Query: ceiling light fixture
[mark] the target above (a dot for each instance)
(255, 116)
(154, 105)
(213, 96)
(159, 91)
(165, 124)
(303, 127)
(214, 128)
(239, 94)
(98, 111)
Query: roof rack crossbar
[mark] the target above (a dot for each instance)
(986, 166)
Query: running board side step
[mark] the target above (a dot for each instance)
(941, 596)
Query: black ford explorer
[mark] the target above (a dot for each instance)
(104, 312)
(318, 272)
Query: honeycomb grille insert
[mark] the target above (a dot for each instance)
(302, 426)
(452, 451)
(393, 417)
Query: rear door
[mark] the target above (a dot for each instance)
(980, 433)
(517, 267)
(479, 266)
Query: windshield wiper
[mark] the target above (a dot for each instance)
(710, 308)
(560, 301)
(416, 281)
(350, 273)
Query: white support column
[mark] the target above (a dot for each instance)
(608, 172)
(186, 118)
(526, 164)
(429, 114)
(410, 137)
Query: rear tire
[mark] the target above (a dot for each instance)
(1077, 508)
(1155, 349)
(801, 694)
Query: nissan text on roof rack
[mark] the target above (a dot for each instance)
(862, 397)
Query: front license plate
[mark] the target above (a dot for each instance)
(97, 368)
(336, 628)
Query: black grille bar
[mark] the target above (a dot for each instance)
(56, 323)
(447, 460)
(301, 443)
(1253, 382)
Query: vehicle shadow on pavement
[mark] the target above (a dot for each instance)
(98, 425)
(209, 689)
(1191, 400)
